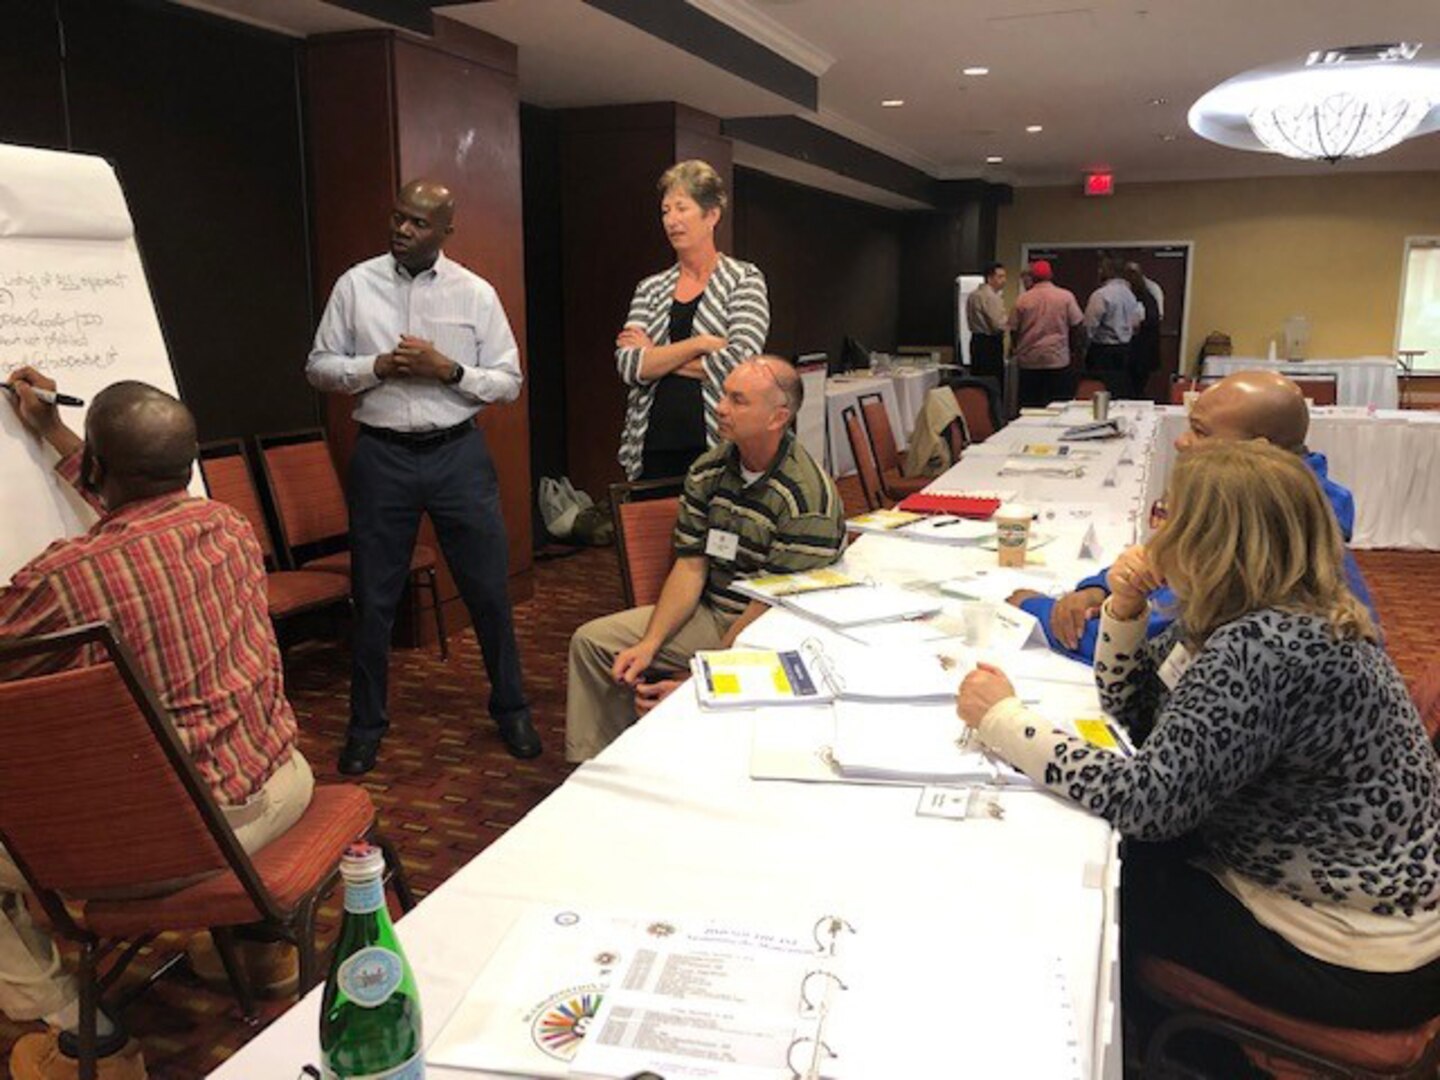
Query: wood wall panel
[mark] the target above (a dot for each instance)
(832, 264)
(610, 159)
(385, 108)
(460, 124)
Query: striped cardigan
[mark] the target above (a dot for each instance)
(734, 306)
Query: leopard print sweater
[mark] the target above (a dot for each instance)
(1298, 757)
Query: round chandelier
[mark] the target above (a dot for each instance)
(1337, 104)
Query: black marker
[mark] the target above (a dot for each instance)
(51, 397)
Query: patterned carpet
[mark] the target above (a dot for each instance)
(446, 788)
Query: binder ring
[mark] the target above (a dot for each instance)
(827, 931)
(818, 1048)
(806, 1004)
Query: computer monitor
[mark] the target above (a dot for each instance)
(853, 355)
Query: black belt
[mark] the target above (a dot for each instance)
(419, 440)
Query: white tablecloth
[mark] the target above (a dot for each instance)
(666, 820)
(1368, 380)
(1389, 461)
(904, 392)
(843, 391)
(911, 386)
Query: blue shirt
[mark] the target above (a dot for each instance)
(1162, 601)
(376, 301)
(1112, 313)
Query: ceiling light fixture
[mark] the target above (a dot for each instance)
(975, 71)
(1336, 104)
(1033, 128)
(892, 103)
(994, 159)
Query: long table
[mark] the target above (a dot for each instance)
(1388, 459)
(667, 820)
(1365, 380)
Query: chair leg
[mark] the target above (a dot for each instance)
(305, 942)
(439, 614)
(397, 871)
(224, 938)
(89, 1006)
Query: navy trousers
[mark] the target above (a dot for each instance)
(455, 483)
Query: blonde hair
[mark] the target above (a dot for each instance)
(699, 180)
(1250, 528)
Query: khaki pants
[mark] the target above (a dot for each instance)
(33, 984)
(596, 709)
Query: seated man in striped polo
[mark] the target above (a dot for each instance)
(755, 503)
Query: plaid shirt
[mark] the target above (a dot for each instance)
(182, 581)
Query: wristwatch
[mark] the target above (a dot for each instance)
(455, 376)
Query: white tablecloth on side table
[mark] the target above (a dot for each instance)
(911, 386)
(1389, 462)
(1367, 380)
(843, 391)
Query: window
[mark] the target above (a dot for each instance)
(1420, 302)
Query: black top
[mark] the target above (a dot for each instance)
(677, 413)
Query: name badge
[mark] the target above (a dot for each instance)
(1175, 666)
(722, 545)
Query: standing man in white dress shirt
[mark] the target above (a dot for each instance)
(423, 345)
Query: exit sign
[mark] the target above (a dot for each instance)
(1100, 183)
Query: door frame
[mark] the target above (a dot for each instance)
(1189, 245)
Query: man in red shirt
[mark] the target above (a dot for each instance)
(1045, 326)
(182, 580)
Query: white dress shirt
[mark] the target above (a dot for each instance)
(376, 301)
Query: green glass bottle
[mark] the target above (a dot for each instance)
(370, 1014)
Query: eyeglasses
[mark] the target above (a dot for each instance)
(761, 362)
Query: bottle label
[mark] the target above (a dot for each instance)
(370, 976)
(414, 1069)
(363, 897)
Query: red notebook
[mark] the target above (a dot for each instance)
(968, 506)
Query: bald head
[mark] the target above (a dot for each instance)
(784, 380)
(1250, 405)
(423, 217)
(142, 439)
(432, 197)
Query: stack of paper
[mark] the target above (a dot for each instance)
(861, 604)
(920, 744)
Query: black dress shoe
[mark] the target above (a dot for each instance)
(358, 757)
(520, 736)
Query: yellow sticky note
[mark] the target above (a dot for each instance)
(1096, 732)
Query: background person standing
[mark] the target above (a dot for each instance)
(985, 314)
(1046, 326)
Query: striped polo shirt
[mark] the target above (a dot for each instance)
(790, 519)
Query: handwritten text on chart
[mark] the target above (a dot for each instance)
(44, 322)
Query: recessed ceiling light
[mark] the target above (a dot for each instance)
(975, 71)
(1033, 128)
(994, 159)
(893, 103)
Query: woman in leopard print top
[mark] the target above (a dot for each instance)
(1282, 809)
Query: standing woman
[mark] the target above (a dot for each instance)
(687, 328)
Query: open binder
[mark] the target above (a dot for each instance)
(728, 1003)
(818, 672)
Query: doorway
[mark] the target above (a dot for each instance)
(1077, 268)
